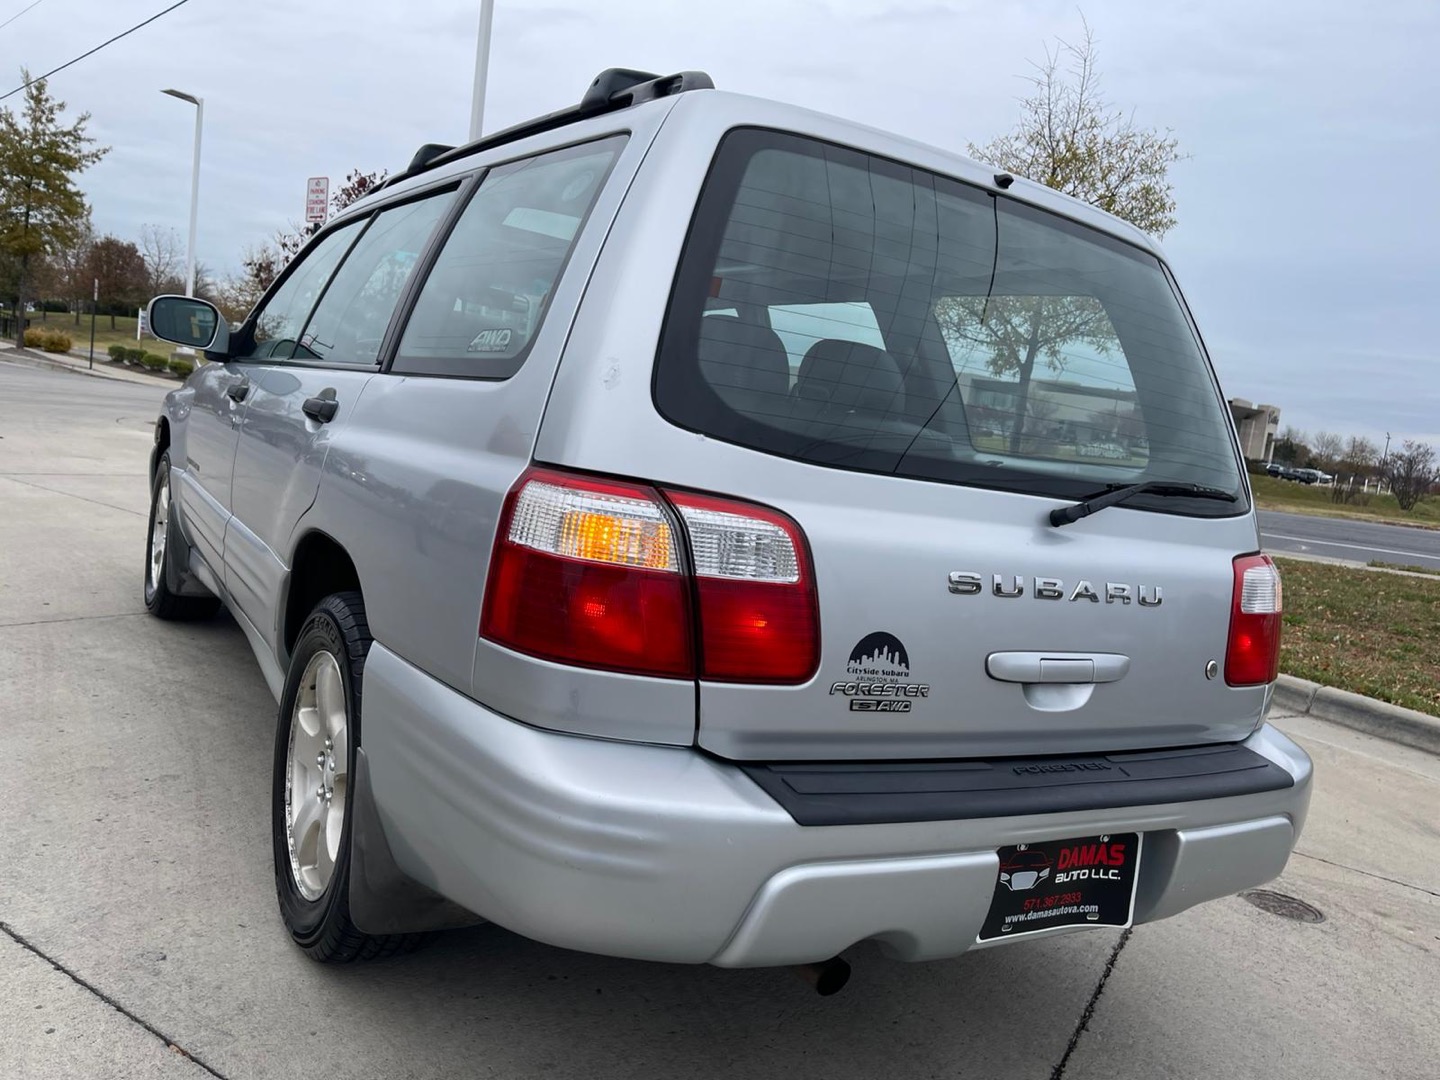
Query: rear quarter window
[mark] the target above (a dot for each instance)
(851, 311)
(489, 289)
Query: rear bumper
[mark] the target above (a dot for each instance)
(662, 853)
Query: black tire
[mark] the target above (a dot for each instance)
(322, 926)
(159, 600)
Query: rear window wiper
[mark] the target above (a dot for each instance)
(1118, 493)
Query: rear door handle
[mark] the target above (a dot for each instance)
(321, 408)
(1056, 667)
(237, 390)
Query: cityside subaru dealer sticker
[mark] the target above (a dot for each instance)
(879, 670)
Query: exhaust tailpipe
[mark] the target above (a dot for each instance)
(827, 977)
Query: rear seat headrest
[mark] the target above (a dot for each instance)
(849, 376)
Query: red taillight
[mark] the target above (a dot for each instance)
(1253, 655)
(591, 572)
(758, 615)
(588, 572)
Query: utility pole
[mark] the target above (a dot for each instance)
(482, 68)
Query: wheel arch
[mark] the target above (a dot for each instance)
(319, 566)
(162, 442)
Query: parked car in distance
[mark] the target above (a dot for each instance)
(649, 555)
(1274, 468)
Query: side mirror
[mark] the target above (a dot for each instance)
(184, 320)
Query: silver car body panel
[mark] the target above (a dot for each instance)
(209, 420)
(664, 853)
(275, 478)
(414, 484)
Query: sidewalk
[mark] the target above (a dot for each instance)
(79, 363)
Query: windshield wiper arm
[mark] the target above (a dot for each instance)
(1118, 493)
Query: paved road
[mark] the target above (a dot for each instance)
(137, 906)
(1359, 541)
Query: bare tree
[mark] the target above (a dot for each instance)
(207, 286)
(1411, 472)
(1357, 462)
(164, 257)
(120, 269)
(1327, 447)
(69, 267)
(1071, 138)
(1360, 452)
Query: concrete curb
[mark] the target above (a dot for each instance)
(45, 363)
(1378, 718)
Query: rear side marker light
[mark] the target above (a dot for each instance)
(1252, 656)
(622, 577)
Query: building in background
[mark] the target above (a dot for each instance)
(1258, 427)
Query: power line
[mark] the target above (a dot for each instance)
(97, 48)
(22, 11)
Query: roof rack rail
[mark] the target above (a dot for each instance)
(613, 89)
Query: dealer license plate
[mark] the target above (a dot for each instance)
(1085, 882)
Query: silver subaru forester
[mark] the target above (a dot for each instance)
(692, 528)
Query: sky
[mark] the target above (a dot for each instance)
(1309, 228)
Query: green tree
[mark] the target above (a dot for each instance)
(41, 209)
(1069, 137)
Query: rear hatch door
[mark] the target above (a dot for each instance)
(918, 371)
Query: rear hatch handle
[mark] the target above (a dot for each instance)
(1056, 667)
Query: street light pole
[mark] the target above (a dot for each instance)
(482, 68)
(199, 104)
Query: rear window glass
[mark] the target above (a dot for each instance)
(482, 304)
(850, 311)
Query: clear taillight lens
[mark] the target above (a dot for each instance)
(1253, 654)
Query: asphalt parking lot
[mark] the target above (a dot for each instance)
(140, 936)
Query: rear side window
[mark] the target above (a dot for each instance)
(483, 301)
(866, 315)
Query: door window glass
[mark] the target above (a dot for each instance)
(350, 320)
(279, 321)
